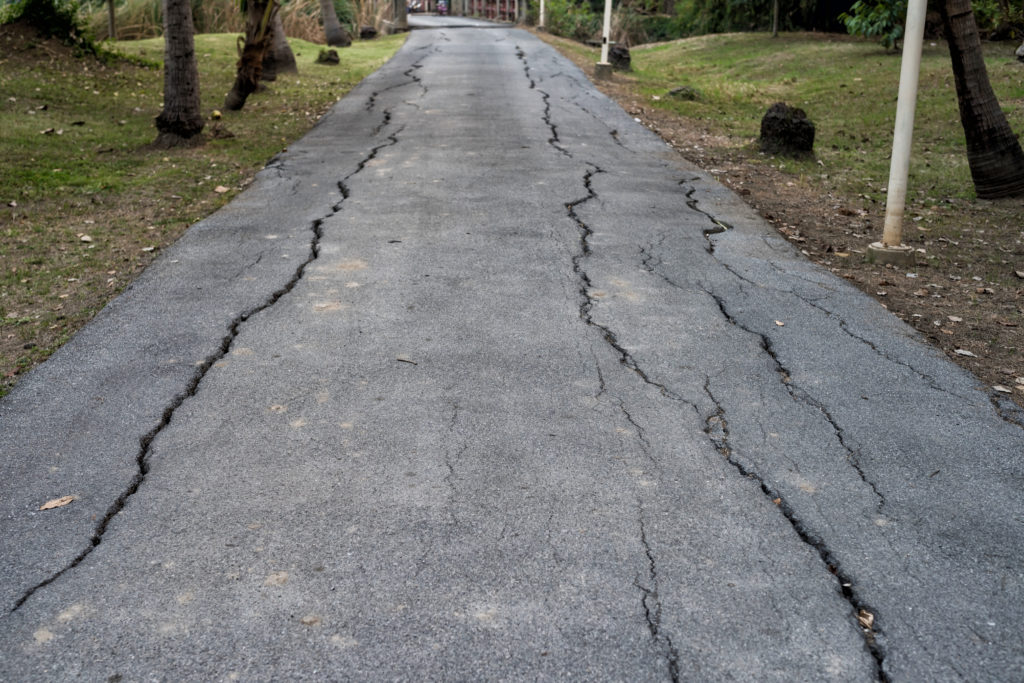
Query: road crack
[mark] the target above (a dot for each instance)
(585, 289)
(716, 427)
(554, 140)
(192, 387)
(651, 602)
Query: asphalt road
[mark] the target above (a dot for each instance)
(471, 385)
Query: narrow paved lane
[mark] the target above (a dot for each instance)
(473, 385)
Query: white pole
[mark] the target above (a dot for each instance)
(541, 24)
(606, 32)
(906, 103)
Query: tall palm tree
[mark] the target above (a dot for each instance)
(335, 33)
(259, 15)
(180, 122)
(279, 58)
(993, 151)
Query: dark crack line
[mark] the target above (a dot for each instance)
(929, 380)
(586, 285)
(652, 603)
(717, 429)
(385, 121)
(801, 396)
(650, 262)
(409, 73)
(641, 434)
(614, 133)
(1006, 409)
(717, 226)
(554, 140)
(192, 387)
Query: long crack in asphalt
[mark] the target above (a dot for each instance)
(192, 387)
(554, 140)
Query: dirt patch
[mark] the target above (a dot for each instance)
(963, 296)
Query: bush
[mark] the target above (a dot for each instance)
(52, 18)
(570, 20)
(882, 19)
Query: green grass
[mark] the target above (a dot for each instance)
(847, 87)
(95, 174)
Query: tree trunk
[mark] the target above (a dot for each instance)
(250, 51)
(335, 33)
(180, 122)
(111, 26)
(993, 151)
(279, 58)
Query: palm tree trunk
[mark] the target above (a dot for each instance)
(180, 122)
(993, 152)
(279, 58)
(111, 24)
(250, 52)
(335, 33)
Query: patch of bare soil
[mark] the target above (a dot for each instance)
(966, 293)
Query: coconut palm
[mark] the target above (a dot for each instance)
(279, 58)
(180, 122)
(335, 33)
(993, 151)
(251, 48)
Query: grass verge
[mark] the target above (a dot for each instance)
(965, 294)
(85, 203)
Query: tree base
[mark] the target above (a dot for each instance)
(168, 140)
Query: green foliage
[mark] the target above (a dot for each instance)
(882, 19)
(346, 12)
(52, 18)
(572, 20)
(999, 22)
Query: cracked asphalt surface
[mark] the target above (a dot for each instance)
(480, 380)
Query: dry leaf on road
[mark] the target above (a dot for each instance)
(57, 503)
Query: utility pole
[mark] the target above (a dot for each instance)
(891, 249)
(603, 69)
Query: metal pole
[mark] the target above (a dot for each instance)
(891, 249)
(541, 20)
(606, 31)
(603, 70)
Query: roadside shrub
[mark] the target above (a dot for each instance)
(882, 19)
(52, 18)
(571, 20)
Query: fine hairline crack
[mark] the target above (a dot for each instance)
(652, 602)
(192, 387)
